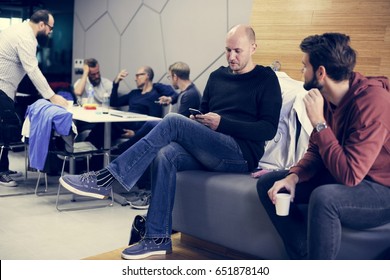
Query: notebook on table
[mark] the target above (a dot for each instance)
(124, 114)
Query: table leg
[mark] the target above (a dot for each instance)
(107, 145)
(107, 142)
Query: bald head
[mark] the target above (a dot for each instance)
(242, 30)
(240, 46)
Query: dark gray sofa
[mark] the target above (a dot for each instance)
(224, 209)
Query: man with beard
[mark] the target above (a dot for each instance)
(101, 86)
(240, 111)
(18, 47)
(91, 76)
(344, 176)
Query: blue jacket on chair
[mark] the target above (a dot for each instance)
(45, 116)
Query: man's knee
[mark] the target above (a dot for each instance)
(168, 152)
(266, 181)
(324, 198)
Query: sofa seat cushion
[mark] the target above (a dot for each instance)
(224, 208)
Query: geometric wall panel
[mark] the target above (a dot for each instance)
(89, 11)
(142, 44)
(195, 40)
(239, 10)
(124, 34)
(79, 44)
(122, 11)
(156, 5)
(105, 51)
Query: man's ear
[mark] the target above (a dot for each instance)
(41, 25)
(253, 48)
(321, 73)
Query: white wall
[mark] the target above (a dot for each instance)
(127, 34)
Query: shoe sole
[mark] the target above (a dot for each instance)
(13, 184)
(145, 255)
(16, 175)
(77, 191)
(139, 207)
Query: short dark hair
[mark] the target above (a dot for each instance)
(149, 71)
(91, 62)
(181, 70)
(331, 50)
(40, 15)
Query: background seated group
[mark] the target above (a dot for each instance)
(148, 98)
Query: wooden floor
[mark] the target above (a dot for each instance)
(184, 248)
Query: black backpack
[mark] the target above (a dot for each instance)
(10, 123)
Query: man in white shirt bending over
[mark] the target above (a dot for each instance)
(18, 48)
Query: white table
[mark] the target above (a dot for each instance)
(96, 116)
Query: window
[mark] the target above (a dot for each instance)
(6, 22)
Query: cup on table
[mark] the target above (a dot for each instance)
(70, 105)
(282, 204)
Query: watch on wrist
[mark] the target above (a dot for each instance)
(321, 126)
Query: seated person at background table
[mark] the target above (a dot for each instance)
(344, 176)
(188, 97)
(91, 76)
(141, 100)
(240, 105)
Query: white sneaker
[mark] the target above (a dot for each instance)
(142, 203)
(7, 181)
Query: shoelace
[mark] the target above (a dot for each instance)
(87, 177)
(6, 177)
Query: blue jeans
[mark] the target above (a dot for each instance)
(317, 233)
(177, 143)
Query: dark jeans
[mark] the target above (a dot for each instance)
(145, 129)
(172, 147)
(317, 233)
(7, 104)
(4, 162)
(96, 135)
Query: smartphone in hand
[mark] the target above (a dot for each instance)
(195, 112)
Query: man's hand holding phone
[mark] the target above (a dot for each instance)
(210, 120)
(195, 112)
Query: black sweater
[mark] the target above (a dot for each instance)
(249, 105)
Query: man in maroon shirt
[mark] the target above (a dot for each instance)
(344, 177)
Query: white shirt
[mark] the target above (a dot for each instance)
(284, 151)
(105, 86)
(18, 47)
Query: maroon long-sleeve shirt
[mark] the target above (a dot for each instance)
(357, 143)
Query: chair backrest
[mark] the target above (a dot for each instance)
(10, 123)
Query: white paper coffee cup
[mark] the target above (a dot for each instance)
(282, 204)
(70, 105)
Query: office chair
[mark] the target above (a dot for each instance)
(51, 133)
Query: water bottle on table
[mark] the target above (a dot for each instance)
(106, 103)
(91, 94)
(91, 104)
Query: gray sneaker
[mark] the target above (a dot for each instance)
(142, 203)
(85, 184)
(148, 247)
(7, 181)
